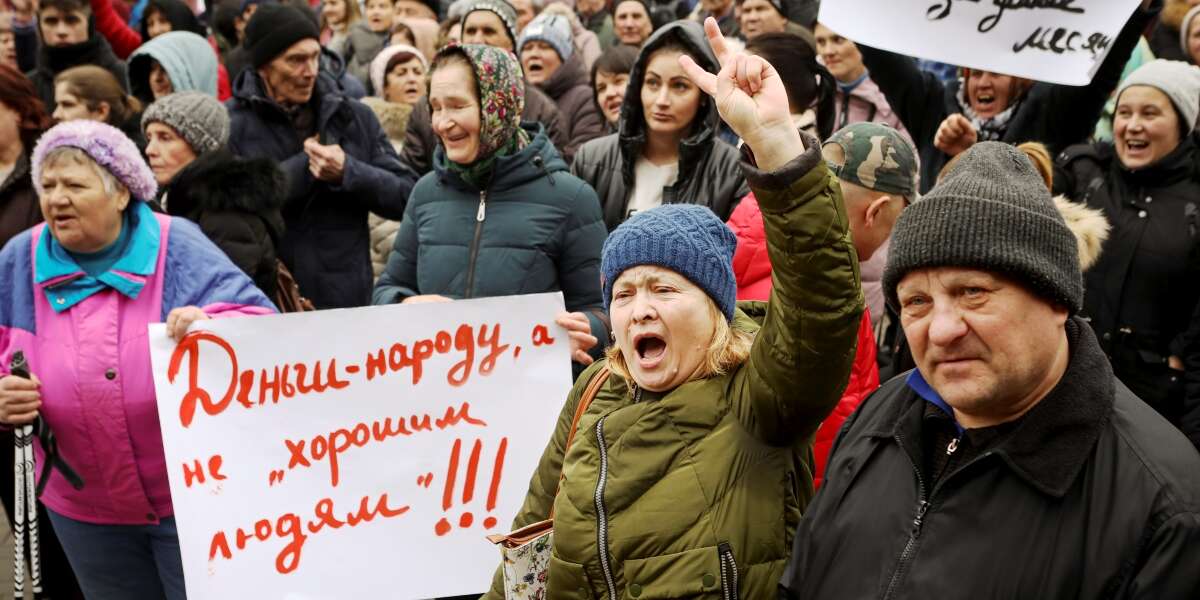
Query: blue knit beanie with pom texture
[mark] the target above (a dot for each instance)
(684, 238)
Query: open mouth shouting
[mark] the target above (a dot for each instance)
(651, 349)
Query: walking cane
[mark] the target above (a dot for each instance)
(25, 501)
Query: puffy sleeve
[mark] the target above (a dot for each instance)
(197, 273)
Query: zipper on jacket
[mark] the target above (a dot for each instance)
(602, 514)
(729, 573)
(918, 521)
(480, 215)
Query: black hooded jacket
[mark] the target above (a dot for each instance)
(51, 61)
(237, 204)
(709, 171)
(572, 92)
(177, 14)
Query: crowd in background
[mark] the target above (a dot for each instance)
(256, 155)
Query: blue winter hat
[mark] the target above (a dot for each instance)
(684, 238)
(552, 29)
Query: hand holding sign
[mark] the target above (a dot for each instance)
(751, 98)
(955, 135)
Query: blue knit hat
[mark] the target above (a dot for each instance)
(552, 29)
(684, 238)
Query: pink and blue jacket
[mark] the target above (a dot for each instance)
(86, 339)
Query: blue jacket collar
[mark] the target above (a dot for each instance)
(65, 284)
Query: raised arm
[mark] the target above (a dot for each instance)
(802, 356)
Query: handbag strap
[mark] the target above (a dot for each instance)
(589, 394)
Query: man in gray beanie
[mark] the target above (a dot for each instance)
(1011, 462)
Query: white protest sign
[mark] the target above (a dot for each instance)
(1057, 41)
(360, 453)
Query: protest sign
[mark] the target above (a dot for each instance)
(361, 453)
(1057, 41)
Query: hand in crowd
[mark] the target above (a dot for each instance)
(751, 98)
(425, 299)
(326, 163)
(580, 330)
(19, 399)
(955, 135)
(180, 319)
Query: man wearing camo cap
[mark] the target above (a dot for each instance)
(878, 169)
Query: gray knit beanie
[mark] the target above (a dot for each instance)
(1177, 79)
(198, 118)
(991, 212)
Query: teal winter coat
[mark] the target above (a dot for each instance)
(536, 228)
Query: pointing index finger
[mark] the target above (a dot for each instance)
(717, 40)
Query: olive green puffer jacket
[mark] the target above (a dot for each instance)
(695, 493)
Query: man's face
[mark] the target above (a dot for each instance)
(540, 61)
(588, 8)
(758, 17)
(411, 9)
(717, 7)
(984, 342)
(290, 77)
(632, 23)
(485, 27)
(63, 28)
(525, 12)
(8, 48)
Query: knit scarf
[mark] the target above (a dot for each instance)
(991, 129)
(501, 103)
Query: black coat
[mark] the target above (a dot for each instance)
(420, 141)
(52, 61)
(1141, 294)
(327, 243)
(571, 90)
(709, 169)
(1055, 115)
(237, 205)
(1090, 495)
(19, 206)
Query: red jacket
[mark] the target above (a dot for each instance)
(752, 267)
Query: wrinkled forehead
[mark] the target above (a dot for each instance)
(648, 274)
(931, 279)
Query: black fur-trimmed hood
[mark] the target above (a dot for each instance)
(220, 181)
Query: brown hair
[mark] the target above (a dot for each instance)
(94, 85)
(18, 94)
(729, 348)
(352, 16)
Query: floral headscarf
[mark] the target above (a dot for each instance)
(501, 102)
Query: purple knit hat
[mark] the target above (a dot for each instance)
(107, 146)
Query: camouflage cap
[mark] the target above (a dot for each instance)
(877, 157)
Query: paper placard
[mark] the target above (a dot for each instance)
(359, 453)
(1057, 41)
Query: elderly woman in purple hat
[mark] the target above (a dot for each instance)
(80, 290)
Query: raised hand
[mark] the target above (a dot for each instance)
(751, 98)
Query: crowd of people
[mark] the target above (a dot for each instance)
(843, 323)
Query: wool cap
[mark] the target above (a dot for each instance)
(502, 9)
(552, 29)
(684, 238)
(106, 145)
(390, 57)
(991, 212)
(778, 5)
(1185, 27)
(1177, 79)
(273, 29)
(201, 120)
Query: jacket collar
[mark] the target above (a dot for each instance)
(1056, 437)
(326, 97)
(65, 284)
(20, 169)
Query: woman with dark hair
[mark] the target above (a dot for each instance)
(667, 150)
(162, 16)
(810, 86)
(22, 119)
(610, 79)
(92, 93)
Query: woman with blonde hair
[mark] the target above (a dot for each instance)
(337, 17)
(92, 93)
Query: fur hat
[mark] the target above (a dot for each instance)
(107, 146)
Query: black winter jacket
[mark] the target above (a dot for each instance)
(327, 243)
(571, 90)
(236, 204)
(1055, 115)
(709, 169)
(535, 229)
(52, 61)
(420, 141)
(1141, 294)
(19, 206)
(1092, 495)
